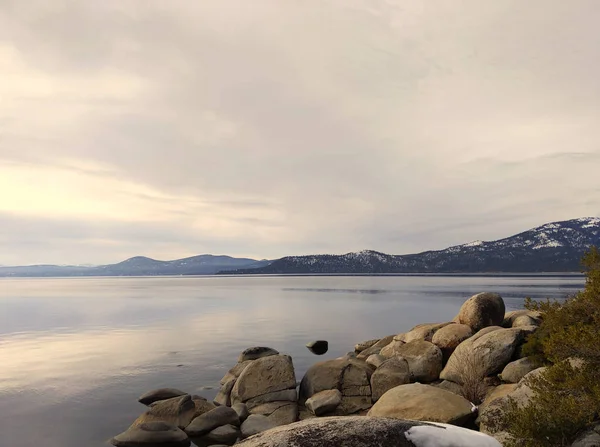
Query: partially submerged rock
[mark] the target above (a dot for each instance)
(152, 434)
(423, 403)
(356, 431)
(318, 347)
(160, 394)
(178, 411)
(211, 420)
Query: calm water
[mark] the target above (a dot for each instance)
(76, 353)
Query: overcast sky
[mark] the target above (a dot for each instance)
(265, 128)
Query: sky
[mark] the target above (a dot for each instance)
(267, 128)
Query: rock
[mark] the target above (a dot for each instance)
(349, 375)
(423, 403)
(152, 434)
(228, 381)
(360, 347)
(518, 318)
(391, 350)
(482, 310)
(211, 420)
(376, 348)
(178, 411)
(285, 395)
(375, 360)
(449, 337)
(590, 438)
(390, 374)
(515, 371)
(352, 405)
(324, 402)
(421, 332)
(359, 431)
(496, 393)
(202, 405)
(490, 350)
(256, 423)
(424, 360)
(225, 435)
(263, 376)
(279, 413)
(160, 394)
(242, 411)
(318, 347)
(450, 386)
(255, 353)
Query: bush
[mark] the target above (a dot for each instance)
(566, 398)
(472, 373)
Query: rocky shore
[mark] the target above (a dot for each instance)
(439, 384)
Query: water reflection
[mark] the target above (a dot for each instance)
(77, 352)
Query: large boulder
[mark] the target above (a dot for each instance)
(423, 403)
(489, 351)
(359, 431)
(152, 434)
(424, 360)
(178, 411)
(209, 421)
(375, 360)
(493, 395)
(160, 394)
(324, 402)
(482, 310)
(262, 376)
(360, 347)
(450, 336)
(589, 438)
(391, 350)
(515, 371)
(388, 375)
(277, 396)
(223, 435)
(519, 318)
(202, 405)
(421, 332)
(376, 348)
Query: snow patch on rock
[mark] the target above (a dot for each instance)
(444, 435)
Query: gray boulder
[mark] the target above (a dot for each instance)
(211, 420)
(590, 438)
(482, 310)
(491, 349)
(263, 376)
(279, 413)
(256, 352)
(390, 374)
(152, 434)
(228, 381)
(519, 318)
(391, 350)
(515, 371)
(256, 423)
(224, 435)
(285, 395)
(424, 360)
(160, 394)
(366, 432)
(424, 403)
(202, 405)
(324, 402)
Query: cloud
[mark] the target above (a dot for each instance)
(295, 127)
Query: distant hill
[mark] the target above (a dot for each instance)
(140, 266)
(553, 247)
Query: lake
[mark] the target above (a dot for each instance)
(76, 353)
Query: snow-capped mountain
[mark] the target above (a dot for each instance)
(553, 247)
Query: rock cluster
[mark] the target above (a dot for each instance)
(395, 381)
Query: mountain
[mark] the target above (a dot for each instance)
(553, 247)
(140, 266)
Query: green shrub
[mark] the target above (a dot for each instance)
(566, 398)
